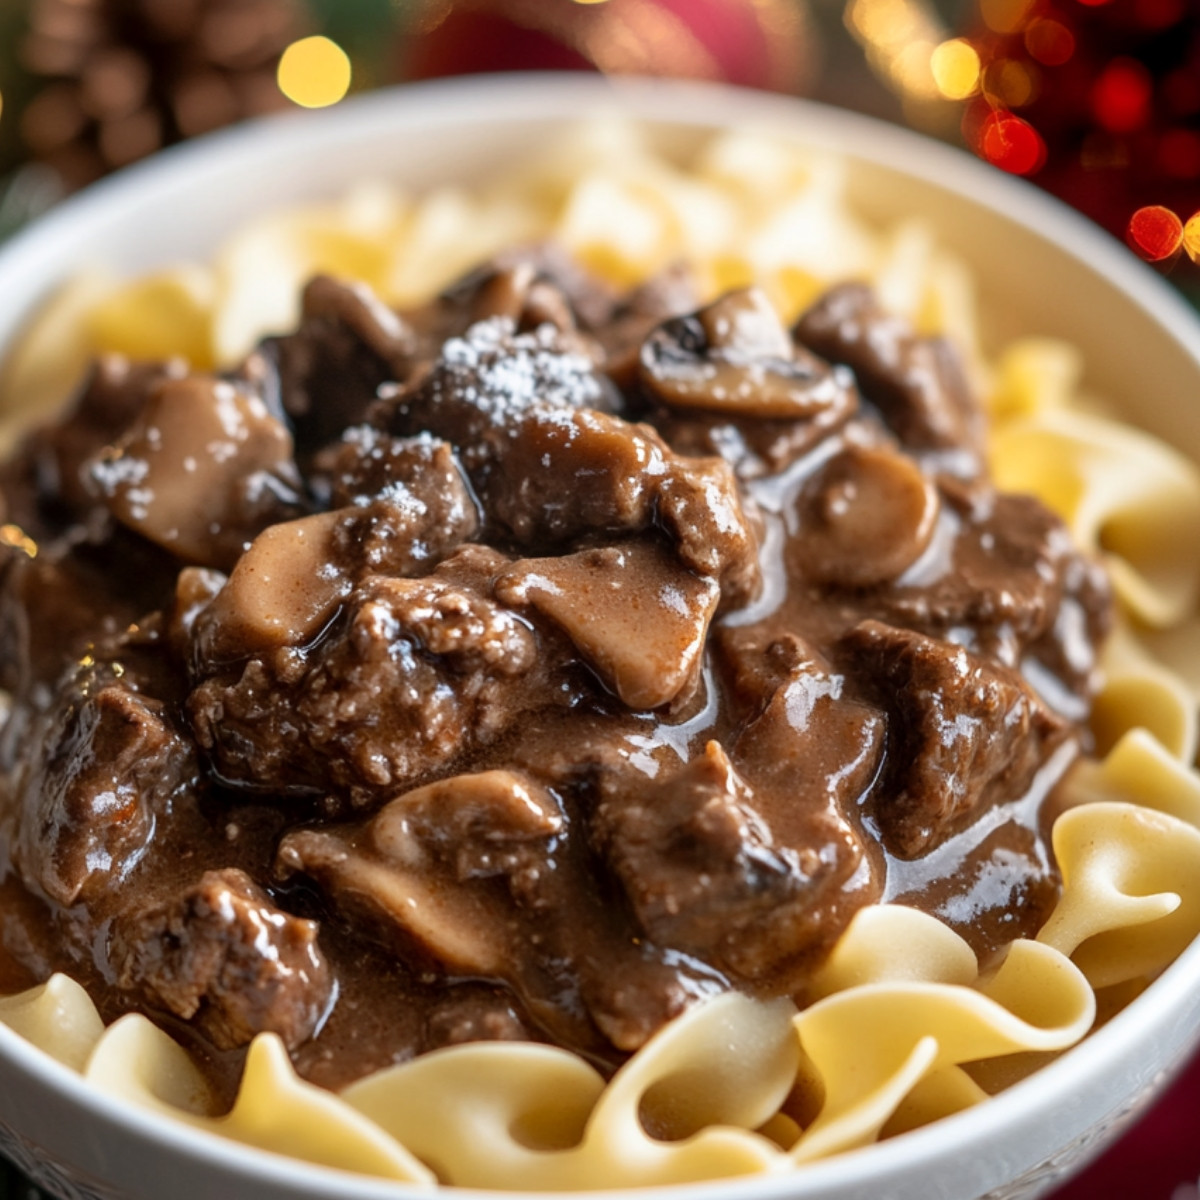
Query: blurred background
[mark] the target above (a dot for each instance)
(1097, 101)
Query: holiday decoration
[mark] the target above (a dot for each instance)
(1096, 100)
(118, 79)
(757, 43)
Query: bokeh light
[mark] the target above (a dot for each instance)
(1050, 42)
(1011, 144)
(1191, 237)
(1004, 16)
(314, 72)
(1121, 96)
(1155, 232)
(955, 66)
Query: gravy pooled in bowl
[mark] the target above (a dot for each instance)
(531, 665)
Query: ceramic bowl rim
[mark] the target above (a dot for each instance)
(508, 98)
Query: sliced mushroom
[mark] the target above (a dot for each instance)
(201, 471)
(634, 612)
(420, 868)
(735, 357)
(864, 518)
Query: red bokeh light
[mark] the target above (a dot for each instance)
(1011, 144)
(1121, 96)
(1158, 14)
(1155, 233)
(1049, 42)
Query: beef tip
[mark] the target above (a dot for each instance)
(634, 613)
(485, 383)
(963, 734)
(45, 483)
(545, 265)
(95, 772)
(414, 673)
(291, 581)
(1013, 571)
(917, 383)
(201, 471)
(549, 467)
(420, 869)
(519, 291)
(863, 518)
(704, 873)
(222, 955)
(330, 370)
(468, 876)
(367, 464)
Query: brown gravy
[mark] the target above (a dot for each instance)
(529, 666)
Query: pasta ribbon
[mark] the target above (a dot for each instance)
(58, 1017)
(1131, 882)
(537, 1118)
(1139, 692)
(888, 1051)
(275, 1110)
(1125, 496)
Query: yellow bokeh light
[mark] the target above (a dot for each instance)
(882, 23)
(1191, 237)
(955, 67)
(1004, 16)
(314, 72)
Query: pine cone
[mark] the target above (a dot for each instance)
(126, 77)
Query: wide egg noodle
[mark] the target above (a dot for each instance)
(900, 1005)
(1126, 497)
(274, 1110)
(1138, 692)
(1131, 871)
(58, 1017)
(531, 1117)
(888, 1050)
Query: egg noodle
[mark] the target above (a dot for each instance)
(905, 1028)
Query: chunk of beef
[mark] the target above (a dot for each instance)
(511, 285)
(46, 483)
(550, 468)
(222, 955)
(419, 869)
(1012, 572)
(413, 674)
(291, 581)
(963, 734)
(95, 771)
(917, 383)
(702, 871)
(330, 370)
(473, 876)
(367, 464)
(634, 613)
(201, 471)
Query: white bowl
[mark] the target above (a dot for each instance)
(1042, 269)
